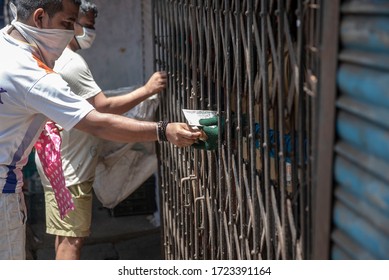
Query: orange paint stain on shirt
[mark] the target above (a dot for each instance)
(42, 65)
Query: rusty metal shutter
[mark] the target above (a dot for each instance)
(361, 162)
(256, 64)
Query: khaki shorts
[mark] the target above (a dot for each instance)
(76, 223)
(13, 216)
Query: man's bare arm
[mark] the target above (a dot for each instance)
(122, 129)
(123, 103)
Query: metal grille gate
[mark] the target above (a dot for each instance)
(256, 63)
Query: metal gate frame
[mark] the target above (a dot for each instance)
(252, 197)
(323, 197)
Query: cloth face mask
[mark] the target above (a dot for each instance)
(86, 40)
(50, 43)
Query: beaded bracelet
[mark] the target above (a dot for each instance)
(161, 130)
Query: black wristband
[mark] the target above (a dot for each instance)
(161, 130)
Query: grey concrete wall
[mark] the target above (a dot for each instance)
(121, 55)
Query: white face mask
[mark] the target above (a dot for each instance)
(86, 40)
(50, 43)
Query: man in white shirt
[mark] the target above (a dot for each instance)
(32, 93)
(79, 149)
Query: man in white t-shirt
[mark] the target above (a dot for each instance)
(79, 149)
(31, 94)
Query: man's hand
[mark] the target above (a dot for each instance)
(156, 83)
(181, 134)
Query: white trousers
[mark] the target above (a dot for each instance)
(13, 216)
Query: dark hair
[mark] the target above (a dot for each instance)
(87, 6)
(26, 8)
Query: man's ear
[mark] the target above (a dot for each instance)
(38, 17)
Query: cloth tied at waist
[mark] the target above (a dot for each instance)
(48, 148)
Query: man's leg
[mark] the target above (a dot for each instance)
(72, 230)
(68, 248)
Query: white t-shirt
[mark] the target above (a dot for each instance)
(79, 150)
(30, 94)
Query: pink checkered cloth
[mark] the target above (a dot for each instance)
(48, 149)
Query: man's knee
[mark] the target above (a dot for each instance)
(76, 242)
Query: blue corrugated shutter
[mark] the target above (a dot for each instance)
(361, 167)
